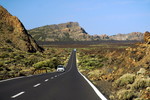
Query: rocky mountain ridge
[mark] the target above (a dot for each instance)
(72, 31)
(14, 35)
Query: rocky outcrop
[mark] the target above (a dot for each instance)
(147, 37)
(130, 36)
(70, 31)
(13, 33)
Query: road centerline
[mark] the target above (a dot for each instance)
(46, 80)
(18, 94)
(37, 85)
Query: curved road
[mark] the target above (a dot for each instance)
(69, 85)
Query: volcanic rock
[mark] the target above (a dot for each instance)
(147, 37)
(70, 31)
(13, 33)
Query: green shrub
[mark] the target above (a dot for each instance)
(125, 95)
(10, 61)
(1, 63)
(51, 63)
(41, 64)
(4, 55)
(2, 49)
(124, 80)
(30, 60)
(18, 57)
(139, 99)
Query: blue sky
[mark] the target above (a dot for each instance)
(95, 16)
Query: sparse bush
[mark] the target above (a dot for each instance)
(1, 63)
(52, 63)
(41, 64)
(11, 61)
(139, 99)
(18, 57)
(141, 71)
(4, 55)
(12, 55)
(124, 80)
(125, 95)
(148, 89)
(30, 60)
(95, 74)
(141, 83)
(2, 49)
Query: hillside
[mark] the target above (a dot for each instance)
(14, 35)
(70, 31)
(121, 72)
(18, 50)
(130, 36)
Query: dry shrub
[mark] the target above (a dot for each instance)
(95, 74)
(124, 80)
(141, 83)
(125, 95)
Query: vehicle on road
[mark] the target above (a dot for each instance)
(60, 68)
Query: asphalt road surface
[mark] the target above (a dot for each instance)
(69, 85)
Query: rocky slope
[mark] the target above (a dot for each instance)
(147, 37)
(130, 36)
(70, 31)
(14, 35)
(121, 73)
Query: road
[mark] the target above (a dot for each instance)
(69, 85)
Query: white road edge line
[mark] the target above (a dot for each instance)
(94, 88)
(12, 79)
(18, 94)
(37, 85)
(46, 80)
(100, 95)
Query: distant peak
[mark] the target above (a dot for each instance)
(69, 24)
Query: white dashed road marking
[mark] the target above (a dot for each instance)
(52, 77)
(46, 80)
(37, 85)
(18, 94)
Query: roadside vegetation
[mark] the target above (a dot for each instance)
(14, 63)
(120, 71)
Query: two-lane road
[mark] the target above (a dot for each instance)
(69, 85)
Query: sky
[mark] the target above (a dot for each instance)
(95, 16)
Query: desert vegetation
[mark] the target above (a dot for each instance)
(120, 71)
(14, 63)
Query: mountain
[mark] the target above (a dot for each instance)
(70, 31)
(14, 35)
(130, 36)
